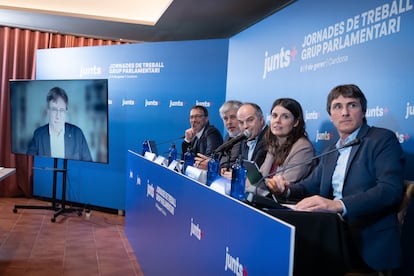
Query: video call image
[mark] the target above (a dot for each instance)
(65, 119)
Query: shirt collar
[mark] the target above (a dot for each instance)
(198, 134)
(348, 139)
(252, 142)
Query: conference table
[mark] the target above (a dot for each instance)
(321, 242)
(179, 226)
(321, 239)
(166, 208)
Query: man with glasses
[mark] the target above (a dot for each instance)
(59, 139)
(201, 137)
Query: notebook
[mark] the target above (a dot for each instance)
(257, 194)
(256, 179)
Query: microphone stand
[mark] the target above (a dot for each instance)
(354, 142)
(228, 154)
(170, 141)
(252, 198)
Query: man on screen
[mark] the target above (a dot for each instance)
(59, 139)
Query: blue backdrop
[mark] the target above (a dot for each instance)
(152, 87)
(309, 47)
(302, 51)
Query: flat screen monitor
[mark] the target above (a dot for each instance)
(65, 119)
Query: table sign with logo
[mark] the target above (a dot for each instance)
(179, 226)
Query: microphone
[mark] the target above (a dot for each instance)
(171, 141)
(256, 199)
(152, 146)
(229, 144)
(354, 142)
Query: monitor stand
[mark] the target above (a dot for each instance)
(63, 209)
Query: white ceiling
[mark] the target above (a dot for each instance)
(181, 20)
(145, 12)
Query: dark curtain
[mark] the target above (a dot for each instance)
(17, 61)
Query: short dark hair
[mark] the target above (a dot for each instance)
(202, 108)
(55, 93)
(347, 91)
(258, 110)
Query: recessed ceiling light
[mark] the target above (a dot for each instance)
(146, 12)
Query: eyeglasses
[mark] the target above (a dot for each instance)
(196, 116)
(61, 111)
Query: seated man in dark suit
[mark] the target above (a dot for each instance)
(201, 137)
(363, 183)
(228, 113)
(250, 117)
(58, 138)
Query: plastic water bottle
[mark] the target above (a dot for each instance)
(213, 167)
(172, 154)
(238, 181)
(145, 147)
(188, 159)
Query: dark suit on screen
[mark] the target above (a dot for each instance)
(372, 192)
(76, 146)
(209, 140)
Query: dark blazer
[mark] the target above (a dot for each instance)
(76, 146)
(259, 153)
(372, 192)
(208, 142)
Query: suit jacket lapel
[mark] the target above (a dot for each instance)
(363, 132)
(260, 143)
(194, 144)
